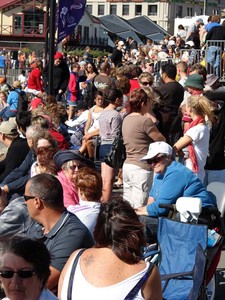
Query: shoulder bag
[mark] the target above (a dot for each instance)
(117, 155)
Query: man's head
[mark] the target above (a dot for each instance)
(43, 191)
(58, 57)
(212, 81)
(168, 71)
(105, 68)
(194, 82)
(129, 39)
(9, 128)
(23, 120)
(34, 133)
(76, 67)
(199, 21)
(158, 156)
(182, 67)
(216, 19)
(120, 45)
(198, 69)
(8, 132)
(17, 84)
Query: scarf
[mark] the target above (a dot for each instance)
(191, 150)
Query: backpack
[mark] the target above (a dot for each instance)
(22, 101)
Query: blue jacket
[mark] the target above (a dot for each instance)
(17, 179)
(177, 181)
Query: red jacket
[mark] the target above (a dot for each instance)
(62, 143)
(73, 86)
(34, 80)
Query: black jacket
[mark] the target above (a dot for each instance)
(61, 76)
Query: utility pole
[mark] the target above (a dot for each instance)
(204, 7)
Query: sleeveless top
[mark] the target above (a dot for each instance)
(95, 117)
(83, 290)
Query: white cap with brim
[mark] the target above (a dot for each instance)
(158, 148)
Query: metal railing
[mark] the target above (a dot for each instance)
(25, 30)
(215, 58)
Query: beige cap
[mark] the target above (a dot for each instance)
(9, 128)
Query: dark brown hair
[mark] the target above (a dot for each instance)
(45, 159)
(137, 97)
(118, 227)
(31, 250)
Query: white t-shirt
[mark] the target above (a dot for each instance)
(200, 140)
(87, 212)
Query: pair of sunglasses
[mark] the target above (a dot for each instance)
(22, 273)
(74, 167)
(155, 160)
(146, 83)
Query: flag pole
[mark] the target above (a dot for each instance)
(52, 17)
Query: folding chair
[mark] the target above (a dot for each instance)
(182, 259)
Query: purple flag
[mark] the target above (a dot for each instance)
(69, 14)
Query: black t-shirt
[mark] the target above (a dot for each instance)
(172, 94)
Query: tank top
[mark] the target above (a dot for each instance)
(83, 290)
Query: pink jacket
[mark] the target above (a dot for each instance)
(70, 195)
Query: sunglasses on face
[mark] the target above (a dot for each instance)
(22, 274)
(146, 83)
(26, 198)
(74, 167)
(155, 160)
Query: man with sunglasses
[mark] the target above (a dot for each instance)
(61, 231)
(172, 180)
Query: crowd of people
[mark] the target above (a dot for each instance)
(56, 198)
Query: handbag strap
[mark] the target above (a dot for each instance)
(70, 284)
(140, 283)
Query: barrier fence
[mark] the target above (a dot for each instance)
(212, 57)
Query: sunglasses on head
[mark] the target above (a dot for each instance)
(146, 83)
(155, 160)
(22, 273)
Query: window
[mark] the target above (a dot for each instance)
(138, 10)
(125, 10)
(113, 9)
(89, 9)
(17, 24)
(152, 10)
(33, 21)
(189, 11)
(101, 10)
(86, 32)
(179, 11)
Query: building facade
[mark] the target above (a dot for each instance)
(162, 12)
(24, 24)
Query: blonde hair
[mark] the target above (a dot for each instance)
(201, 106)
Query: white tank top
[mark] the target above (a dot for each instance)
(83, 290)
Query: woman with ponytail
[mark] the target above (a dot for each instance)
(196, 136)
